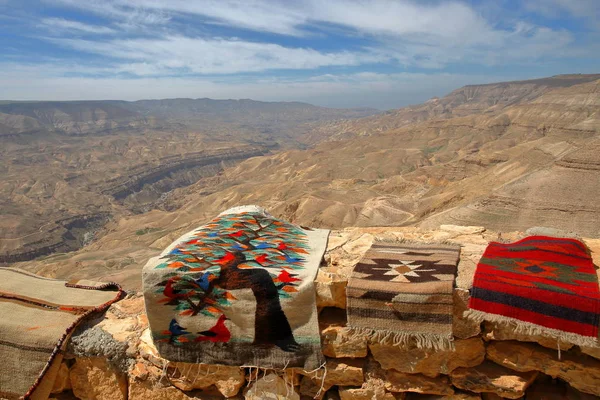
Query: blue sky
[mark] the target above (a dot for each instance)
(337, 53)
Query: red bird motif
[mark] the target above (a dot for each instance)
(286, 277)
(226, 258)
(237, 234)
(218, 333)
(261, 259)
(173, 293)
(282, 246)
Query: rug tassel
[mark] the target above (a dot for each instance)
(389, 338)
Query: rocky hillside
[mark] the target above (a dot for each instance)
(508, 156)
(69, 118)
(510, 166)
(490, 361)
(468, 100)
(249, 120)
(70, 167)
(58, 200)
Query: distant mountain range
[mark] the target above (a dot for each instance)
(251, 120)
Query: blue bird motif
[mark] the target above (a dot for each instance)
(264, 246)
(176, 329)
(204, 280)
(292, 259)
(238, 246)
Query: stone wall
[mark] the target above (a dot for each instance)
(113, 358)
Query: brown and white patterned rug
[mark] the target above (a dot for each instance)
(401, 293)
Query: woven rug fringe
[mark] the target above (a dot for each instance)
(390, 338)
(529, 329)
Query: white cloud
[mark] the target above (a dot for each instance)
(451, 20)
(61, 24)
(179, 54)
(426, 35)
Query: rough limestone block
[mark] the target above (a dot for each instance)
(372, 388)
(340, 372)
(463, 328)
(330, 289)
(310, 389)
(228, 380)
(429, 362)
(357, 247)
(470, 254)
(337, 239)
(154, 388)
(343, 372)
(94, 379)
(337, 342)
(271, 386)
(492, 378)
(62, 381)
(400, 382)
(455, 396)
(368, 394)
(581, 372)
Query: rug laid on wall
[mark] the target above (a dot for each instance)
(401, 293)
(38, 317)
(238, 291)
(542, 286)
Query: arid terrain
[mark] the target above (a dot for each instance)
(506, 156)
(70, 167)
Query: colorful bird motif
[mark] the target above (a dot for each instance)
(239, 247)
(173, 294)
(204, 280)
(261, 259)
(228, 257)
(175, 332)
(286, 277)
(218, 333)
(292, 260)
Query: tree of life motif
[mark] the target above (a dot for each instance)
(237, 251)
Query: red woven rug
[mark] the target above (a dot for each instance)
(543, 285)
